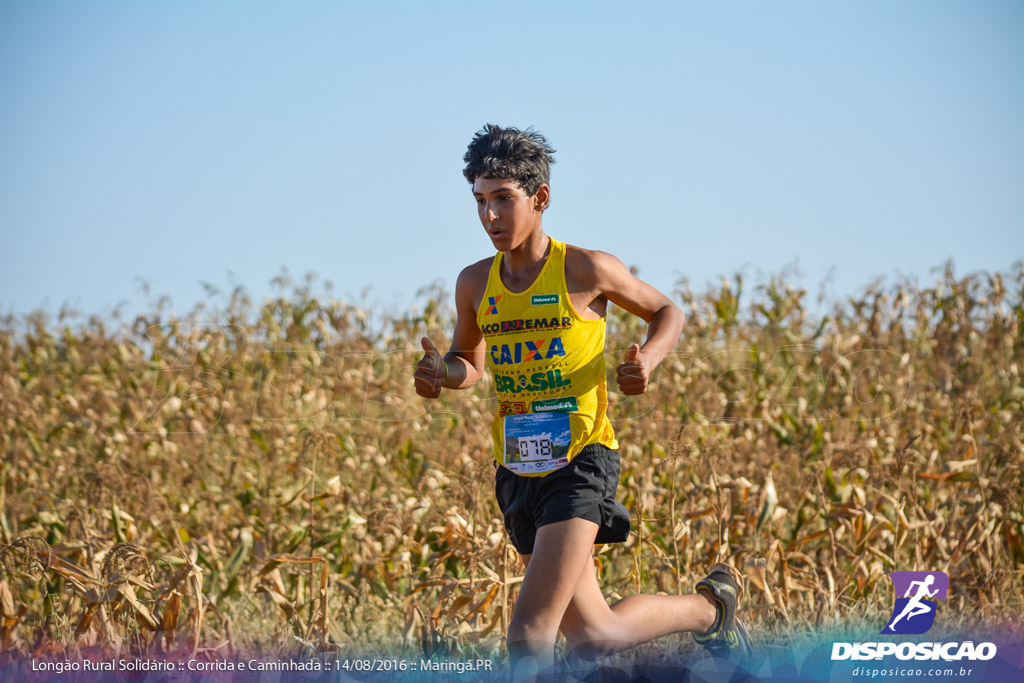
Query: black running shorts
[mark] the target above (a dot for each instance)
(584, 488)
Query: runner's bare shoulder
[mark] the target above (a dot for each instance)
(591, 269)
(589, 263)
(472, 281)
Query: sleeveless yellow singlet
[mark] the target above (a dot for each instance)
(549, 371)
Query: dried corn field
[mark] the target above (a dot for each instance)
(264, 478)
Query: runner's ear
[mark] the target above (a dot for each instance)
(542, 197)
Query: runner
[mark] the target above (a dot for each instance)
(534, 314)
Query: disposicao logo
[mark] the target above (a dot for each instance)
(913, 613)
(917, 594)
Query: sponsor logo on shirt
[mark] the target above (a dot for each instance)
(522, 325)
(520, 352)
(511, 408)
(566, 404)
(538, 381)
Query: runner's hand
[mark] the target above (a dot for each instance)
(633, 374)
(430, 371)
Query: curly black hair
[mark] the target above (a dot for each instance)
(523, 155)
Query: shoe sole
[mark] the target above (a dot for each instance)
(736, 577)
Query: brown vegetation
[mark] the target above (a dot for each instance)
(266, 479)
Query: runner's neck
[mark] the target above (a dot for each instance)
(521, 266)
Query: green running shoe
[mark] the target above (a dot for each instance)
(727, 638)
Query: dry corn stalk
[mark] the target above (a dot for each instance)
(320, 614)
(192, 574)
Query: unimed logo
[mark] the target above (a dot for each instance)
(913, 613)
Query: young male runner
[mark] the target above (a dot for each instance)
(534, 314)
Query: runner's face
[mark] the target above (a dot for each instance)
(508, 215)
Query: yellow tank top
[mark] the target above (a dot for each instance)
(549, 371)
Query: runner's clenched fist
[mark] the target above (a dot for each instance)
(431, 371)
(633, 374)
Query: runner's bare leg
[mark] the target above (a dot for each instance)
(560, 554)
(594, 629)
(551, 600)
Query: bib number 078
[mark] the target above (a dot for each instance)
(534, 447)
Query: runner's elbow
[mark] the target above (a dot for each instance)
(473, 375)
(675, 314)
(463, 370)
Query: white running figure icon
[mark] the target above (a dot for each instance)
(914, 606)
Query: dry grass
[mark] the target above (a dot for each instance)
(266, 479)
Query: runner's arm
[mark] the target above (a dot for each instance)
(465, 358)
(664, 319)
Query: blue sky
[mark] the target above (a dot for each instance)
(221, 142)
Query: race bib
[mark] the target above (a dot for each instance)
(537, 442)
